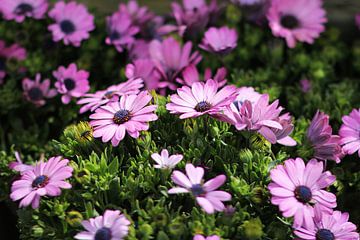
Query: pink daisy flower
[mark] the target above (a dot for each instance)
(164, 161)
(36, 91)
(171, 59)
(12, 52)
(260, 116)
(191, 75)
(130, 115)
(18, 10)
(220, 41)
(92, 101)
(205, 193)
(287, 21)
(73, 23)
(45, 179)
(120, 30)
(144, 69)
(111, 226)
(19, 166)
(335, 226)
(200, 99)
(350, 132)
(201, 237)
(71, 82)
(325, 145)
(298, 189)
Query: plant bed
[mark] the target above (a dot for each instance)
(213, 121)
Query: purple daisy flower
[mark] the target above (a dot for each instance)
(92, 101)
(205, 193)
(144, 69)
(282, 135)
(259, 116)
(73, 23)
(201, 98)
(18, 10)
(111, 226)
(350, 132)
(325, 145)
(297, 190)
(305, 85)
(191, 75)
(287, 21)
(12, 52)
(71, 82)
(45, 179)
(201, 237)
(335, 226)
(165, 161)
(130, 115)
(121, 31)
(36, 91)
(171, 59)
(219, 41)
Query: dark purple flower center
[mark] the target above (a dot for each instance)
(69, 84)
(103, 233)
(40, 181)
(303, 194)
(324, 234)
(35, 94)
(197, 190)
(67, 27)
(121, 116)
(109, 94)
(23, 8)
(289, 21)
(202, 106)
(114, 36)
(2, 64)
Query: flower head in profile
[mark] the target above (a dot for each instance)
(219, 41)
(121, 31)
(92, 101)
(45, 179)
(19, 166)
(288, 22)
(72, 24)
(191, 75)
(206, 195)
(170, 60)
(12, 52)
(334, 226)
(298, 190)
(200, 99)
(326, 146)
(131, 114)
(145, 70)
(18, 10)
(71, 82)
(282, 135)
(164, 161)
(111, 226)
(36, 91)
(350, 132)
(201, 237)
(260, 116)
